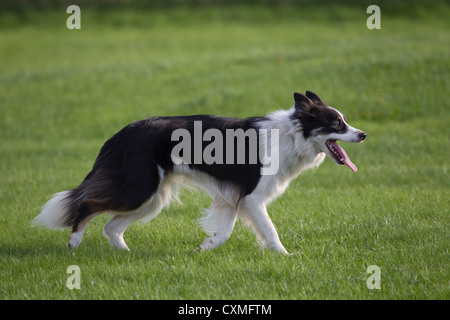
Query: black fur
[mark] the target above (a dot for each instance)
(125, 173)
(315, 115)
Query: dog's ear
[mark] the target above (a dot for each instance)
(314, 97)
(302, 103)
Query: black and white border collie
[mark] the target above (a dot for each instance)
(136, 173)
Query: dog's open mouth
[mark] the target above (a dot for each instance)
(339, 155)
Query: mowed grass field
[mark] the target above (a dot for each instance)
(64, 93)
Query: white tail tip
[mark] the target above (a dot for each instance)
(54, 213)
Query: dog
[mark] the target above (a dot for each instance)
(141, 168)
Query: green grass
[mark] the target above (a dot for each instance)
(63, 93)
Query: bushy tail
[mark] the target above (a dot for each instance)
(58, 212)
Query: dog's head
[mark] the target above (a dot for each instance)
(324, 125)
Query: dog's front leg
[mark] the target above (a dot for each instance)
(255, 213)
(219, 222)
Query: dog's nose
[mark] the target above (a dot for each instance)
(362, 135)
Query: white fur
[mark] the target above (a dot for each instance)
(295, 155)
(53, 212)
(218, 223)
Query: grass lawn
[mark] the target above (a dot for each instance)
(63, 93)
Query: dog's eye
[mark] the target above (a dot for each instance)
(337, 123)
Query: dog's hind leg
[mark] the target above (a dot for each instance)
(83, 217)
(116, 227)
(219, 223)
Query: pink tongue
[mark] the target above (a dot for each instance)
(344, 155)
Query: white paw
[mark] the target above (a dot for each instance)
(119, 244)
(208, 244)
(74, 240)
(115, 240)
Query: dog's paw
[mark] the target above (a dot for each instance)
(199, 249)
(208, 244)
